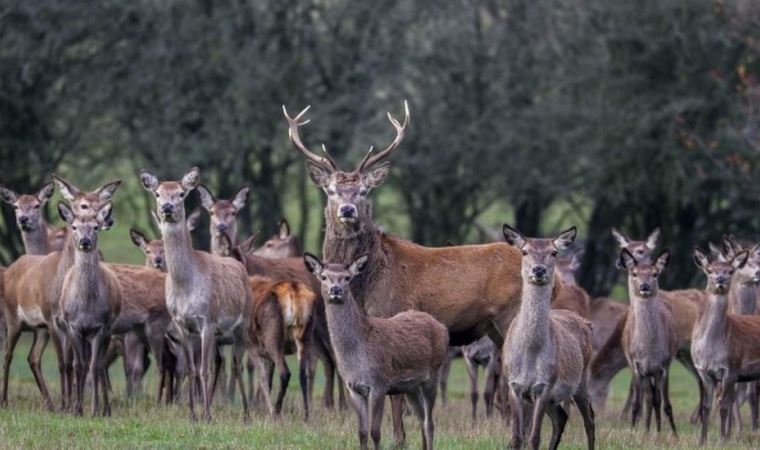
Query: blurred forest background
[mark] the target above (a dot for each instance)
(599, 113)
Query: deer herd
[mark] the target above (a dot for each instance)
(385, 316)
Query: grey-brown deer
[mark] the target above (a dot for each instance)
(401, 275)
(90, 303)
(725, 347)
(281, 245)
(402, 354)
(29, 209)
(546, 352)
(650, 338)
(206, 295)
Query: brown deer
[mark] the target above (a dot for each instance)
(223, 215)
(724, 346)
(401, 275)
(30, 305)
(650, 337)
(205, 294)
(281, 245)
(56, 238)
(376, 356)
(482, 352)
(686, 305)
(29, 217)
(546, 351)
(90, 303)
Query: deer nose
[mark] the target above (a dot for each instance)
(159, 261)
(539, 271)
(167, 208)
(347, 211)
(645, 288)
(23, 220)
(336, 292)
(85, 243)
(222, 227)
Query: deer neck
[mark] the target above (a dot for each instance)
(712, 323)
(85, 273)
(36, 242)
(743, 296)
(532, 321)
(347, 327)
(216, 239)
(646, 315)
(342, 246)
(67, 256)
(178, 252)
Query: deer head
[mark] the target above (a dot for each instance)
(335, 278)
(641, 250)
(539, 255)
(223, 213)
(56, 237)
(281, 245)
(642, 274)
(347, 192)
(170, 195)
(720, 271)
(749, 273)
(82, 202)
(28, 207)
(153, 249)
(86, 225)
(568, 266)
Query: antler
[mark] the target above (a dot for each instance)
(370, 160)
(293, 124)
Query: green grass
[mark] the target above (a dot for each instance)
(141, 424)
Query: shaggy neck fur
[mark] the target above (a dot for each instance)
(36, 242)
(86, 274)
(216, 248)
(646, 314)
(343, 245)
(179, 253)
(743, 295)
(347, 328)
(712, 324)
(532, 320)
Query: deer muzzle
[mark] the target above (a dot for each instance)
(347, 213)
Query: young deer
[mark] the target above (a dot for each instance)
(546, 351)
(27, 306)
(482, 352)
(90, 303)
(29, 217)
(724, 346)
(281, 245)
(205, 294)
(402, 354)
(153, 249)
(650, 337)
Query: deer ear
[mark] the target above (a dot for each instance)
(621, 240)
(625, 261)
(7, 195)
(156, 220)
(512, 236)
(241, 196)
(700, 258)
(376, 175)
(191, 179)
(358, 265)
(46, 192)
(565, 239)
(653, 239)
(193, 219)
(206, 198)
(729, 247)
(740, 259)
(68, 191)
(247, 245)
(67, 215)
(716, 252)
(313, 264)
(148, 180)
(284, 229)
(318, 174)
(662, 261)
(104, 215)
(106, 191)
(137, 238)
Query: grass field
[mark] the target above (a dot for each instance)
(140, 424)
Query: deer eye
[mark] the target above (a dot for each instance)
(96, 228)
(363, 192)
(346, 278)
(524, 252)
(73, 227)
(36, 206)
(554, 253)
(15, 206)
(330, 191)
(156, 194)
(323, 278)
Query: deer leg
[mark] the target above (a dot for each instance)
(705, 403)
(208, 347)
(628, 401)
(103, 369)
(648, 401)
(428, 393)
(78, 344)
(583, 403)
(558, 417)
(444, 377)
(304, 358)
(251, 367)
(668, 408)
(95, 374)
(489, 390)
(685, 358)
(187, 348)
(397, 413)
(265, 365)
(282, 369)
(753, 404)
(472, 372)
(636, 401)
(516, 442)
(238, 351)
(362, 413)
(41, 336)
(657, 401)
(728, 396)
(218, 362)
(541, 400)
(60, 345)
(376, 404)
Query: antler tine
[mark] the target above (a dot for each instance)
(400, 128)
(328, 156)
(293, 124)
